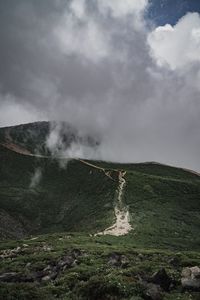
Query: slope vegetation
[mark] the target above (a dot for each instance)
(42, 195)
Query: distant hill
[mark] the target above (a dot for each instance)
(35, 137)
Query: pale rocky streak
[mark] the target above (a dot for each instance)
(122, 225)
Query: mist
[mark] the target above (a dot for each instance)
(109, 71)
(36, 178)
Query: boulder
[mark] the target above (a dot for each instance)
(162, 279)
(114, 259)
(8, 277)
(28, 264)
(46, 278)
(140, 256)
(190, 278)
(76, 253)
(66, 261)
(174, 261)
(153, 292)
(47, 269)
(118, 260)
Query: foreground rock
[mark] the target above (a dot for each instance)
(190, 278)
(153, 292)
(155, 286)
(50, 272)
(162, 279)
(118, 260)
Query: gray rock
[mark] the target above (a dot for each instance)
(53, 275)
(162, 279)
(118, 260)
(124, 261)
(28, 265)
(47, 269)
(67, 261)
(141, 256)
(190, 278)
(46, 278)
(40, 274)
(8, 277)
(186, 273)
(153, 292)
(114, 259)
(195, 272)
(76, 253)
(174, 261)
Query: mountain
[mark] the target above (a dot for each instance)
(41, 194)
(82, 229)
(44, 137)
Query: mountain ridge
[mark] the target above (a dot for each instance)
(7, 141)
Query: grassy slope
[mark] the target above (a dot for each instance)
(92, 277)
(164, 210)
(164, 202)
(71, 198)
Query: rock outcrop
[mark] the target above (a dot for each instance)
(190, 278)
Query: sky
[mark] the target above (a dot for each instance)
(127, 71)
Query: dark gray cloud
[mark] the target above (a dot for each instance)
(95, 65)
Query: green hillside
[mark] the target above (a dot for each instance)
(70, 197)
(54, 214)
(163, 202)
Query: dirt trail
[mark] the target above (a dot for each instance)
(18, 149)
(121, 225)
(107, 173)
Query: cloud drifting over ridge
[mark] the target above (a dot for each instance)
(100, 66)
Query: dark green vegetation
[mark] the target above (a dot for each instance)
(46, 197)
(30, 136)
(91, 271)
(70, 196)
(164, 202)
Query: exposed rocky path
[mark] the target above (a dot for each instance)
(107, 173)
(121, 225)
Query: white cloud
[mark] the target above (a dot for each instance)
(78, 8)
(122, 8)
(177, 46)
(14, 113)
(79, 34)
(87, 41)
(93, 69)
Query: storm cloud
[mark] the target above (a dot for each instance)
(109, 71)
